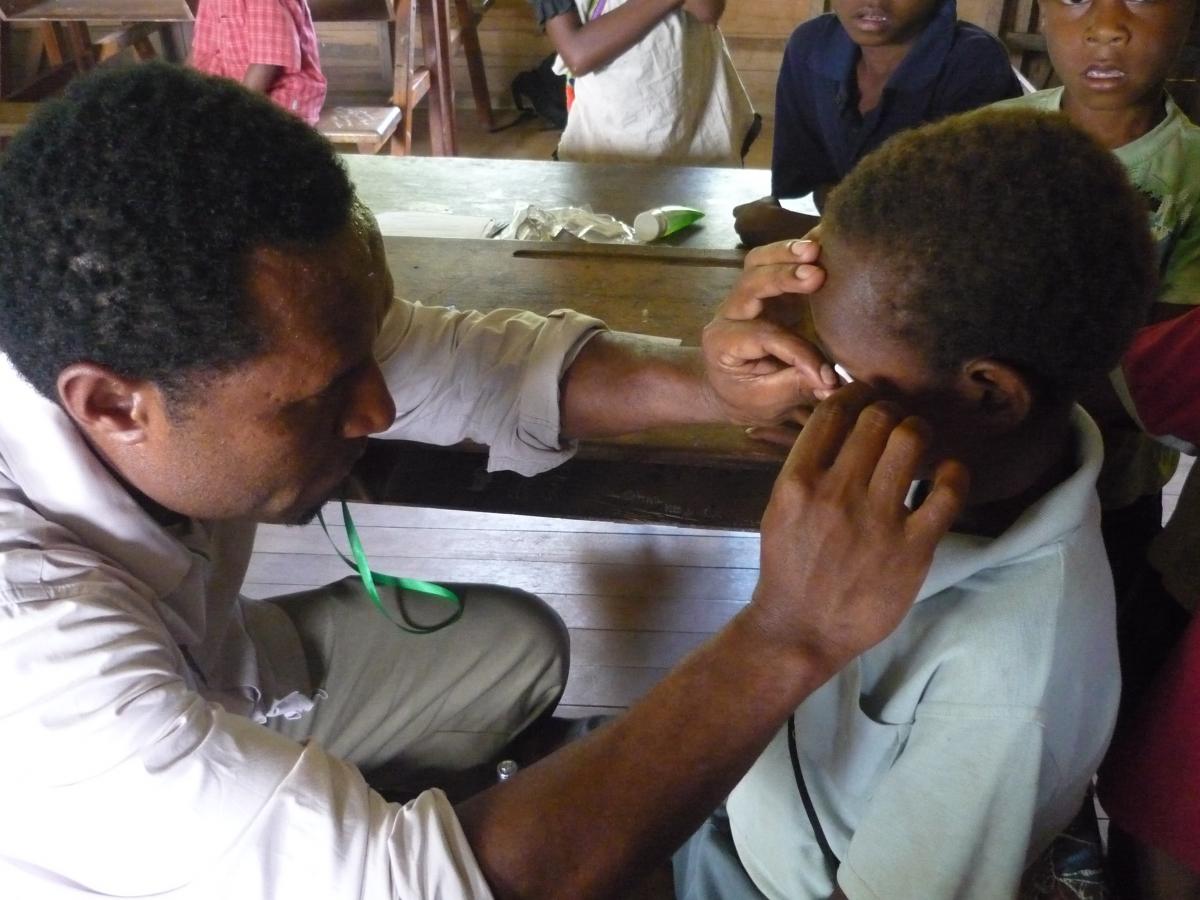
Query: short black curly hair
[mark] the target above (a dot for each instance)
(1009, 234)
(129, 209)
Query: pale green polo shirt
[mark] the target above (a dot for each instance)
(943, 760)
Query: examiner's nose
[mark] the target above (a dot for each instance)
(371, 408)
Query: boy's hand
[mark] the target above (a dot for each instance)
(842, 556)
(759, 370)
(764, 220)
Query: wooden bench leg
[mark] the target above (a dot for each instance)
(435, 42)
(476, 72)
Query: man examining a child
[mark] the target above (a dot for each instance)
(199, 332)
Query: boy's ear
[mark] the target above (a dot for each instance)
(999, 392)
(108, 407)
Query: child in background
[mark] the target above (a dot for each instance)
(854, 77)
(270, 46)
(653, 81)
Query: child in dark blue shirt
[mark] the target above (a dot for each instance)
(854, 77)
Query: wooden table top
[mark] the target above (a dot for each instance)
(95, 11)
(492, 187)
(712, 475)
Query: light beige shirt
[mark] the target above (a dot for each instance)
(943, 760)
(131, 767)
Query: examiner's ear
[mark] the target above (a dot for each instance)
(1000, 393)
(107, 406)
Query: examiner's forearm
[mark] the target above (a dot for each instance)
(625, 797)
(622, 383)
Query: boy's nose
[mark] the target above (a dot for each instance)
(1107, 23)
(371, 408)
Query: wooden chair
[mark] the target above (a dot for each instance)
(424, 73)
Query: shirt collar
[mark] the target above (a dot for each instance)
(47, 458)
(1058, 513)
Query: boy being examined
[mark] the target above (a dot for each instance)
(941, 762)
(854, 77)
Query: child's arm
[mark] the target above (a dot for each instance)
(707, 11)
(586, 46)
(260, 76)
(764, 221)
(800, 160)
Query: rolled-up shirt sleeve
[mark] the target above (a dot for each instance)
(492, 378)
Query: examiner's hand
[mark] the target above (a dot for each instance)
(842, 556)
(759, 371)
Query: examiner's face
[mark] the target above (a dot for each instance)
(273, 438)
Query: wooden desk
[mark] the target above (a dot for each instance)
(698, 476)
(491, 187)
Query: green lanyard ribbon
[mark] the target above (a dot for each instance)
(371, 578)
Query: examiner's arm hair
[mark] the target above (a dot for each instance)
(129, 208)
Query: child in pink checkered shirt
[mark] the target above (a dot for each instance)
(270, 46)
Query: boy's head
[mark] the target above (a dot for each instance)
(877, 23)
(185, 271)
(975, 283)
(1114, 54)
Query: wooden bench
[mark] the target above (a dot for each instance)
(369, 128)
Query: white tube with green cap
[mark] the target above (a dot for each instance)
(663, 220)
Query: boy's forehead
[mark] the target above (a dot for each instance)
(855, 275)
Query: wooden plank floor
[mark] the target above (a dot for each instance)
(635, 598)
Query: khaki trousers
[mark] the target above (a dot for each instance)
(412, 710)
